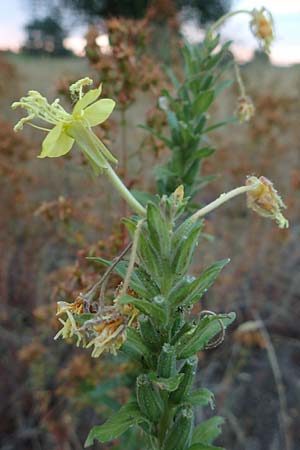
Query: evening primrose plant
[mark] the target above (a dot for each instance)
(149, 318)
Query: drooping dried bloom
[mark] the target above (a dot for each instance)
(105, 329)
(70, 325)
(265, 200)
(245, 109)
(262, 26)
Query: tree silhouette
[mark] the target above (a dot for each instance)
(45, 36)
(89, 9)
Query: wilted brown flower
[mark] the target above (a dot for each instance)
(262, 26)
(245, 109)
(265, 200)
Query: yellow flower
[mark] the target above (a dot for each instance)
(262, 26)
(245, 109)
(265, 200)
(87, 112)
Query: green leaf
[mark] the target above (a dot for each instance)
(121, 269)
(202, 102)
(221, 124)
(151, 309)
(201, 153)
(201, 446)
(126, 417)
(182, 258)
(167, 384)
(82, 318)
(223, 85)
(201, 397)
(144, 197)
(135, 348)
(158, 229)
(159, 136)
(198, 287)
(207, 329)
(172, 76)
(208, 431)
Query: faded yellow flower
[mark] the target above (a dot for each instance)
(262, 26)
(245, 109)
(265, 200)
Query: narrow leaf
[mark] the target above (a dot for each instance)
(126, 417)
(208, 431)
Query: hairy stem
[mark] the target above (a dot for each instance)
(222, 199)
(88, 141)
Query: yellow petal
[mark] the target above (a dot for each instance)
(99, 111)
(87, 99)
(57, 143)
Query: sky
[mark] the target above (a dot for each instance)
(286, 49)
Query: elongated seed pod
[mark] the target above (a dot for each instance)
(166, 366)
(189, 371)
(179, 436)
(148, 398)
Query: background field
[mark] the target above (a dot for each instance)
(255, 374)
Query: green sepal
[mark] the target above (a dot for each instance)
(201, 397)
(148, 398)
(208, 431)
(129, 415)
(166, 384)
(180, 434)
(166, 365)
(188, 373)
(207, 329)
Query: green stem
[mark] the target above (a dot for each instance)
(219, 22)
(87, 141)
(222, 199)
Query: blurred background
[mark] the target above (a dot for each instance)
(54, 213)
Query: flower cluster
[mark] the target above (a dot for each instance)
(105, 329)
(265, 200)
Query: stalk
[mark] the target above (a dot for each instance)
(87, 141)
(222, 199)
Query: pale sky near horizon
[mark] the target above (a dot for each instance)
(285, 50)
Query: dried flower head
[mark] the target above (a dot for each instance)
(104, 329)
(245, 109)
(265, 200)
(262, 26)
